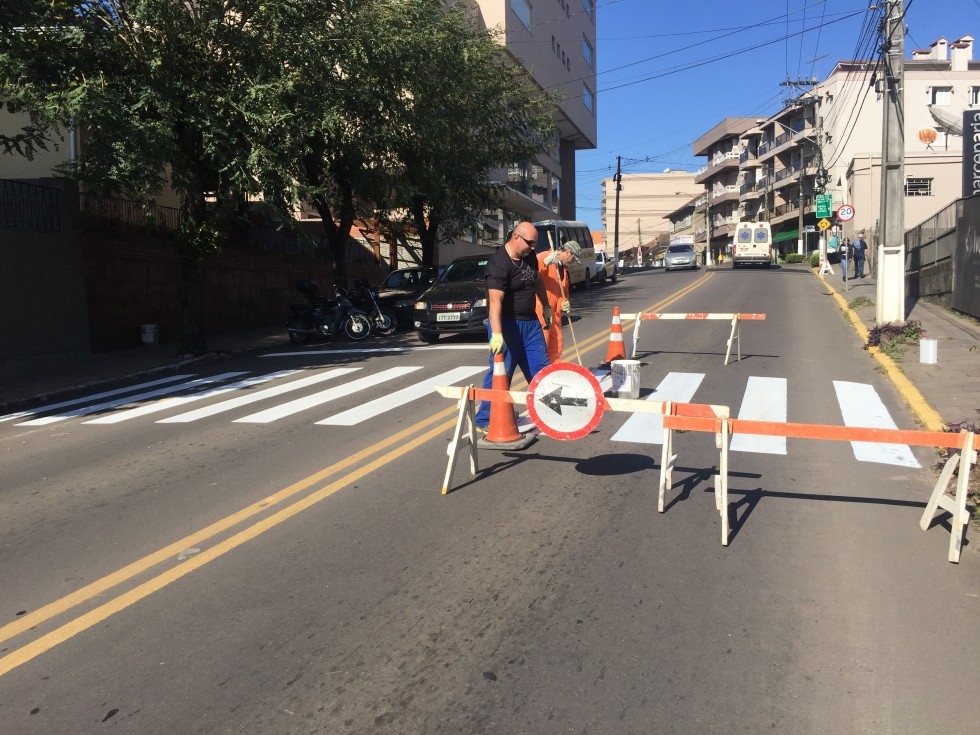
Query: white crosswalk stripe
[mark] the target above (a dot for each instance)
(648, 428)
(276, 390)
(401, 397)
(93, 397)
(318, 399)
(167, 403)
(763, 399)
(861, 406)
(88, 410)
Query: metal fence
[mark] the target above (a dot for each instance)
(931, 242)
(109, 210)
(29, 207)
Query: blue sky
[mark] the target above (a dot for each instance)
(669, 70)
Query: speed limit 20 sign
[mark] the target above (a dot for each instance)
(845, 213)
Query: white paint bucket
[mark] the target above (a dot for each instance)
(928, 351)
(625, 378)
(150, 333)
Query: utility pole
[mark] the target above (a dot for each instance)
(618, 179)
(799, 231)
(707, 226)
(890, 306)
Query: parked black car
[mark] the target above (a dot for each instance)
(456, 303)
(400, 288)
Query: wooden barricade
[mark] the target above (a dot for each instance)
(716, 420)
(734, 335)
(964, 441)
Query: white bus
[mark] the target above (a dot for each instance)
(752, 244)
(553, 233)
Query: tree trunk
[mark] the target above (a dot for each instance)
(192, 276)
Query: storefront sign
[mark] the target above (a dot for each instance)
(971, 153)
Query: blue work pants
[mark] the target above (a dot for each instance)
(524, 347)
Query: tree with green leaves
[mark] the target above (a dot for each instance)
(156, 86)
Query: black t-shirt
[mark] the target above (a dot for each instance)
(517, 281)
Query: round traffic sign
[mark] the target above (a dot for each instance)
(845, 213)
(565, 401)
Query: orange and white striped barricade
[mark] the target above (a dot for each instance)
(466, 424)
(734, 336)
(964, 441)
(704, 418)
(465, 428)
(955, 506)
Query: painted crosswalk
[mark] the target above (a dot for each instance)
(276, 396)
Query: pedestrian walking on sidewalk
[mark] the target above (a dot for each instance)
(553, 269)
(513, 287)
(845, 255)
(860, 250)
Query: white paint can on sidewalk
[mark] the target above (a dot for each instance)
(928, 351)
(150, 333)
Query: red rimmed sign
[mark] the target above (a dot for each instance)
(565, 401)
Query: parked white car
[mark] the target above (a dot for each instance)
(605, 269)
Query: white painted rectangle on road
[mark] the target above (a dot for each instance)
(94, 397)
(318, 399)
(278, 390)
(764, 400)
(175, 401)
(648, 428)
(401, 397)
(88, 410)
(861, 406)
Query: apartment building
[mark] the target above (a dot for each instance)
(646, 202)
(555, 41)
(722, 145)
(828, 140)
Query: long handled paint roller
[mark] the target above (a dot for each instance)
(564, 296)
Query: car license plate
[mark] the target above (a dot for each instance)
(448, 316)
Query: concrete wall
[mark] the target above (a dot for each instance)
(133, 279)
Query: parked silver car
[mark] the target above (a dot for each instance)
(680, 255)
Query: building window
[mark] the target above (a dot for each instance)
(975, 96)
(522, 9)
(587, 99)
(588, 52)
(918, 187)
(941, 95)
(589, 6)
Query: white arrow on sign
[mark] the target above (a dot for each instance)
(565, 401)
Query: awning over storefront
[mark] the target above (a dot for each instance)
(786, 235)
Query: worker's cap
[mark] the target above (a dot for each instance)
(575, 249)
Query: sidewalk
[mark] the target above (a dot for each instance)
(944, 394)
(106, 368)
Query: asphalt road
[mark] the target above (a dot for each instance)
(255, 571)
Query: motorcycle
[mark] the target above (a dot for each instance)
(325, 317)
(384, 321)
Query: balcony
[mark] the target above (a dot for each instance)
(769, 148)
(719, 163)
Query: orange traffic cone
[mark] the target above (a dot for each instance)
(503, 424)
(616, 351)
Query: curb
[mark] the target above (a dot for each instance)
(924, 412)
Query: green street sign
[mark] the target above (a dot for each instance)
(824, 205)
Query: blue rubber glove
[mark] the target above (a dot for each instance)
(496, 343)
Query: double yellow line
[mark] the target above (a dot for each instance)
(403, 442)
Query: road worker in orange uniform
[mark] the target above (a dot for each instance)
(553, 270)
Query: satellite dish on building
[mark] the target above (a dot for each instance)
(949, 123)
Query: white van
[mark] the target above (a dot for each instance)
(752, 244)
(554, 233)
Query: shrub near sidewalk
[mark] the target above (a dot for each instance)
(891, 338)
